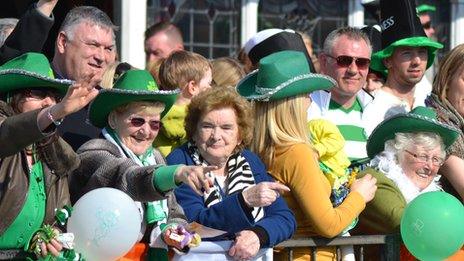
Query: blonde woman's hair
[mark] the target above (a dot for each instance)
(278, 123)
(226, 72)
(112, 74)
(180, 68)
(450, 67)
(154, 68)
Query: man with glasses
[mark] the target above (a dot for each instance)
(407, 53)
(424, 15)
(346, 58)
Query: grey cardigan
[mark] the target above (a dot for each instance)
(102, 165)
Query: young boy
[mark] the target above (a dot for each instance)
(191, 73)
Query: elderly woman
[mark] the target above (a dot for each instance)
(407, 150)
(123, 158)
(280, 93)
(34, 161)
(244, 200)
(447, 100)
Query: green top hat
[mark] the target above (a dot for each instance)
(401, 27)
(420, 119)
(132, 86)
(30, 70)
(425, 8)
(280, 75)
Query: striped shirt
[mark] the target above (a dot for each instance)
(350, 125)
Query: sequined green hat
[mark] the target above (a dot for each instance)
(132, 86)
(30, 70)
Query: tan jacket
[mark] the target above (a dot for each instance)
(16, 133)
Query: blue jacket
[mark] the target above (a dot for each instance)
(228, 215)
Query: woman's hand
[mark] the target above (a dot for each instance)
(195, 177)
(263, 194)
(77, 97)
(365, 186)
(246, 245)
(53, 248)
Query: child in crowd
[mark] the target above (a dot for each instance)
(328, 143)
(191, 73)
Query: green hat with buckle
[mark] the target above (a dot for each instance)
(30, 70)
(132, 86)
(420, 119)
(281, 75)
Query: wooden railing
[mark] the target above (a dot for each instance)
(389, 245)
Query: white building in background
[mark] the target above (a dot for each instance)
(217, 28)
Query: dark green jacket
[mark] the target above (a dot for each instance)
(383, 214)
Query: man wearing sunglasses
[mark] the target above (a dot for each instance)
(424, 15)
(345, 58)
(407, 53)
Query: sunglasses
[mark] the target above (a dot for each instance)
(346, 61)
(427, 25)
(139, 122)
(40, 94)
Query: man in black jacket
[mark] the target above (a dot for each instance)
(31, 32)
(85, 46)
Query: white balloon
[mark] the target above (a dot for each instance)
(106, 224)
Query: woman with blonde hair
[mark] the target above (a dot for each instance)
(280, 91)
(112, 74)
(447, 100)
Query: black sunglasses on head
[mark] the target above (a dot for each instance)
(346, 61)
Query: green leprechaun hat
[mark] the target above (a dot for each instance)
(132, 86)
(401, 27)
(280, 75)
(30, 70)
(420, 119)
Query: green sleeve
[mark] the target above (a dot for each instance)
(163, 178)
(383, 214)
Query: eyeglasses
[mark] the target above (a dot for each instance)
(436, 161)
(138, 122)
(40, 94)
(427, 25)
(346, 61)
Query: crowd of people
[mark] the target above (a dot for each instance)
(271, 145)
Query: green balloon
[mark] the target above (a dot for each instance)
(432, 226)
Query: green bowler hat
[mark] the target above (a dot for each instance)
(281, 75)
(132, 86)
(30, 70)
(420, 119)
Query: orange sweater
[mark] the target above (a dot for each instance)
(309, 199)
